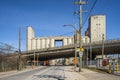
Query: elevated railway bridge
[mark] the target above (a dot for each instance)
(110, 47)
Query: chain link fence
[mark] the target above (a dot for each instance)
(111, 66)
(8, 63)
(9, 59)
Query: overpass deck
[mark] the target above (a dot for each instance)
(110, 47)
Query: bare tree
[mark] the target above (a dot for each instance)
(7, 63)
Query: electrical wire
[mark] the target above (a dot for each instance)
(4, 45)
(90, 11)
(66, 33)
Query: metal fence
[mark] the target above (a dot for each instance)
(8, 63)
(112, 66)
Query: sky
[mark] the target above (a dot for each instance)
(47, 18)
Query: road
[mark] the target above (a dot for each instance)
(21, 75)
(49, 73)
(60, 73)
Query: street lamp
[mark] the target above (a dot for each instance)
(75, 40)
(74, 26)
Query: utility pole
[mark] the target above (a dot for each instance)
(19, 47)
(34, 58)
(75, 44)
(90, 52)
(102, 46)
(80, 3)
(87, 57)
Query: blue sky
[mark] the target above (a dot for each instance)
(48, 16)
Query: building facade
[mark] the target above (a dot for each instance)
(34, 43)
(97, 28)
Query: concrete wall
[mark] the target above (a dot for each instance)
(34, 43)
(30, 36)
(38, 43)
(97, 27)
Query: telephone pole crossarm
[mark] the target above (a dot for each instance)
(80, 3)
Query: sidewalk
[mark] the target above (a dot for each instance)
(71, 74)
(8, 73)
(86, 74)
(107, 68)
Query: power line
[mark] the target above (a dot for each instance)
(66, 33)
(90, 11)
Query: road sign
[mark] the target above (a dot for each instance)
(80, 49)
(75, 61)
(80, 54)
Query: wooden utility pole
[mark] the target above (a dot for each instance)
(19, 47)
(102, 46)
(80, 3)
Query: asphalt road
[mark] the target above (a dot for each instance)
(60, 73)
(51, 73)
(44, 73)
(23, 75)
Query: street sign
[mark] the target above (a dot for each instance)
(75, 61)
(80, 49)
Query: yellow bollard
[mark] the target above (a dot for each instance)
(110, 68)
(116, 67)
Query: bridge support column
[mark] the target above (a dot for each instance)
(85, 58)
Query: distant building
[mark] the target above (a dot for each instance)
(33, 43)
(97, 28)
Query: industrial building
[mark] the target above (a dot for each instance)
(34, 43)
(97, 28)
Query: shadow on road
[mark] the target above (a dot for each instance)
(56, 77)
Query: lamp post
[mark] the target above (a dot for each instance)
(75, 39)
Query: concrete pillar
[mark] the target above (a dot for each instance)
(72, 41)
(33, 44)
(38, 43)
(43, 43)
(47, 43)
(30, 36)
(69, 41)
(52, 43)
(64, 42)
